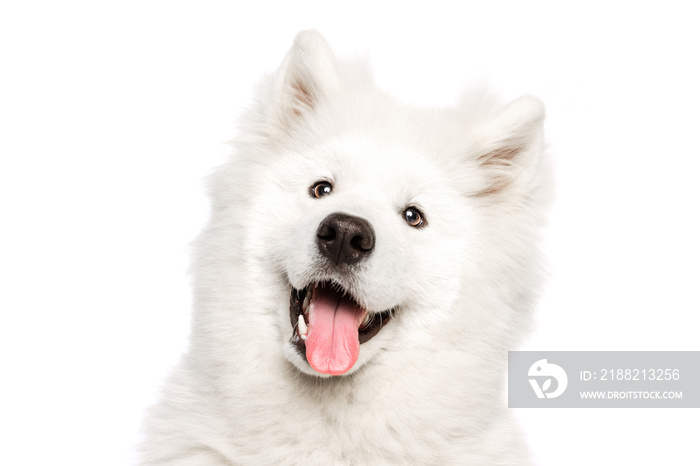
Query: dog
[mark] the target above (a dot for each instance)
(365, 269)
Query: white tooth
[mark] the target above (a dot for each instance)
(366, 320)
(303, 329)
(307, 300)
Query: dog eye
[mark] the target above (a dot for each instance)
(320, 189)
(414, 217)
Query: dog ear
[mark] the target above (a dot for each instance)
(303, 81)
(508, 145)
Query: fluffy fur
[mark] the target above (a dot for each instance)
(428, 388)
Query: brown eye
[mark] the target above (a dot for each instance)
(320, 189)
(413, 217)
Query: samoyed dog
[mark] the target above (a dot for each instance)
(365, 270)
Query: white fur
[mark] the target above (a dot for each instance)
(428, 389)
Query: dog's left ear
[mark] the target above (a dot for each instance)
(303, 81)
(507, 147)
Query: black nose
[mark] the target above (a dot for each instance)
(345, 239)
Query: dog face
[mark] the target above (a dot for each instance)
(362, 249)
(364, 219)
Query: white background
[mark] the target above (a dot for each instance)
(112, 114)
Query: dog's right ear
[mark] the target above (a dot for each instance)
(303, 81)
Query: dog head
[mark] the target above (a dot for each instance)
(364, 220)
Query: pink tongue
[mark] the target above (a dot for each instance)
(332, 344)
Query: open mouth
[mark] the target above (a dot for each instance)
(329, 326)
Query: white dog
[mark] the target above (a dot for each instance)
(366, 268)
